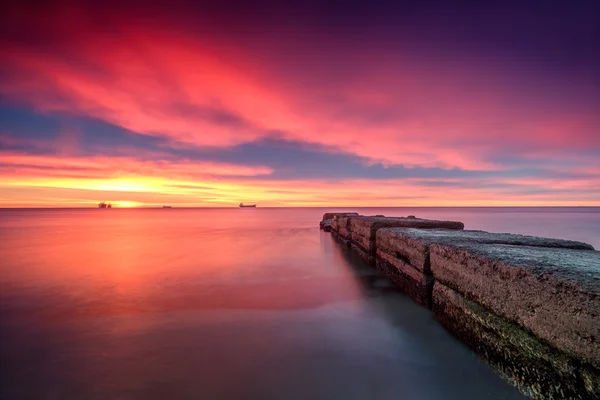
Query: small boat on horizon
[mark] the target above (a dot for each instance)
(167, 207)
(104, 205)
(242, 205)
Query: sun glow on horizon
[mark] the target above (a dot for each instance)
(126, 204)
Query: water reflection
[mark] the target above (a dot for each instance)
(214, 304)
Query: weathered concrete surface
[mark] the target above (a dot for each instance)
(533, 366)
(399, 245)
(334, 225)
(340, 220)
(362, 233)
(337, 214)
(410, 281)
(364, 228)
(340, 239)
(334, 219)
(553, 292)
(326, 225)
(343, 226)
(412, 245)
(361, 252)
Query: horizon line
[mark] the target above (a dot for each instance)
(270, 207)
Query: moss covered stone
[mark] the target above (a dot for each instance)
(536, 368)
(554, 293)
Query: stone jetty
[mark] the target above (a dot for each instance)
(529, 306)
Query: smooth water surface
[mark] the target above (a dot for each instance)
(227, 304)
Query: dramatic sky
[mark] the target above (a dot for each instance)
(299, 103)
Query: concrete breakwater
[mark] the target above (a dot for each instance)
(528, 306)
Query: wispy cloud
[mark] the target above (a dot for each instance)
(284, 102)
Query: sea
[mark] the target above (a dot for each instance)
(229, 303)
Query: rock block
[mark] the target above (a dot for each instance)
(364, 228)
(412, 245)
(337, 214)
(334, 225)
(552, 292)
(334, 218)
(342, 226)
(340, 239)
(535, 368)
(325, 225)
(361, 252)
(409, 280)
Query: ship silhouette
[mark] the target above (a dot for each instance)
(104, 205)
(247, 205)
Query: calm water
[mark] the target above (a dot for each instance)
(227, 304)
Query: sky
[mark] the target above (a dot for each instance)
(284, 103)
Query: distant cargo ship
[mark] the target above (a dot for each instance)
(167, 207)
(104, 205)
(247, 205)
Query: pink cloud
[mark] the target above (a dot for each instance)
(389, 106)
(142, 77)
(21, 166)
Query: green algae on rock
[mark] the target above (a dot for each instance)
(554, 293)
(534, 367)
